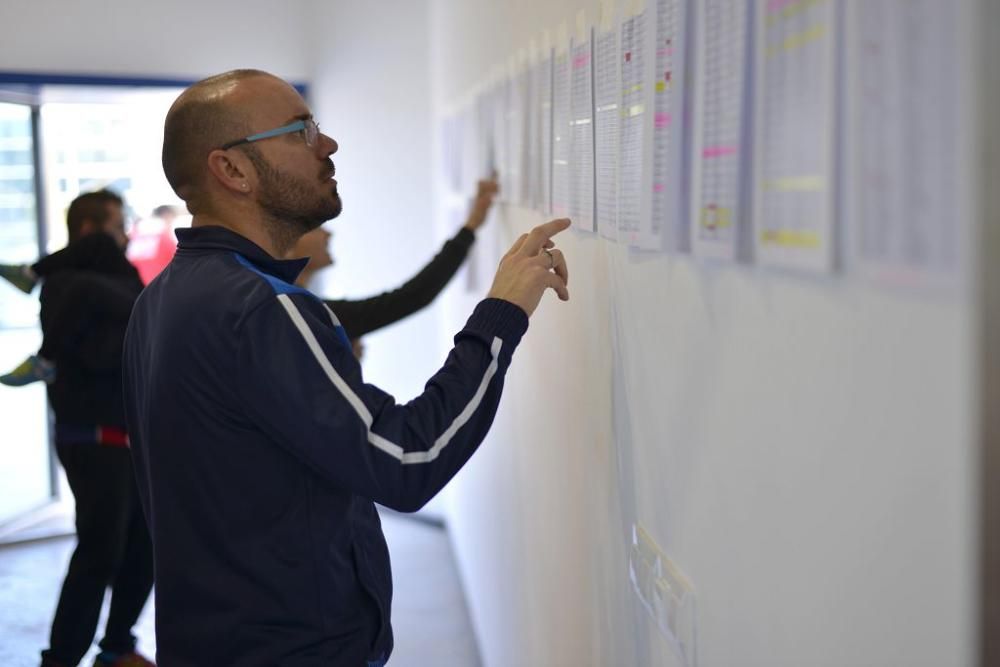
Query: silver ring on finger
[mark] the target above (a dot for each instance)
(552, 259)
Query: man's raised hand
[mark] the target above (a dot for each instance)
(532, 265)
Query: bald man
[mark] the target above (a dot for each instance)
(259, 449)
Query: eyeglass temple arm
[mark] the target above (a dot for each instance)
(287, 129)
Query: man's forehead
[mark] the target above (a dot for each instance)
(271, 99)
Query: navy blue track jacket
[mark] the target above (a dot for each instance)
(259, 450)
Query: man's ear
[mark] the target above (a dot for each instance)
(232, 170)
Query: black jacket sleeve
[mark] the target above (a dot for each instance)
(360, 317)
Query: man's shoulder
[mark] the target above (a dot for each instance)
(204, 275)
(225, 283)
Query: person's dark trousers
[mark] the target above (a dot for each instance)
(113, 549)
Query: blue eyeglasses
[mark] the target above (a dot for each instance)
(308, 127)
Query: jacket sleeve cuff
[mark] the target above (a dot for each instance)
(496, 317)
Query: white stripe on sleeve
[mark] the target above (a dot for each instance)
(361, 409)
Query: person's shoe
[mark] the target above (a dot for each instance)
(32, 369)
(20, 276)
(133, 659)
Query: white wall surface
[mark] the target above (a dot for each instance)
(181, 39)
(801, 449)
(371, 76)
(371, 82)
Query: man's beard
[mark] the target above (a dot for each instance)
(291, 207)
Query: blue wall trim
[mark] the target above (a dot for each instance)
(37, 79)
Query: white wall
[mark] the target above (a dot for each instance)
(182, 39)
(802, 449)
(371, 76)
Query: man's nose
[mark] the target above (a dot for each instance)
(328, 145)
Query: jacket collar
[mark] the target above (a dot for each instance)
(226, 240)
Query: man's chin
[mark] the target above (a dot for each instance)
(329, 211)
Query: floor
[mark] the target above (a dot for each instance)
(430, 618)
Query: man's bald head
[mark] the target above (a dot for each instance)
(204, 117)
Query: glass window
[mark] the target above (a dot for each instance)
(24, 475)
(89, 146)
(18, 221)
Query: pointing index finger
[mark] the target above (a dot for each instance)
(538, 236)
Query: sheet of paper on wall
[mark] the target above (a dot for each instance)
(561, 134)
(542, 144)
(607, 112)
(795, 140)
(472, 147)
(501, 93)
(581, 162)
(720, 167)
(533, 130)
(452, 133)
(525, 108)
(634, 148)
(485, 133)
(905, 181)
(668, 189)
(485, 253)
(516, 130)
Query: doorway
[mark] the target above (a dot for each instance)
(56, 142)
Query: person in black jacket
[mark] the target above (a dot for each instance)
(259, 449)
(360, 317)
(92, 281)
(89, 289)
